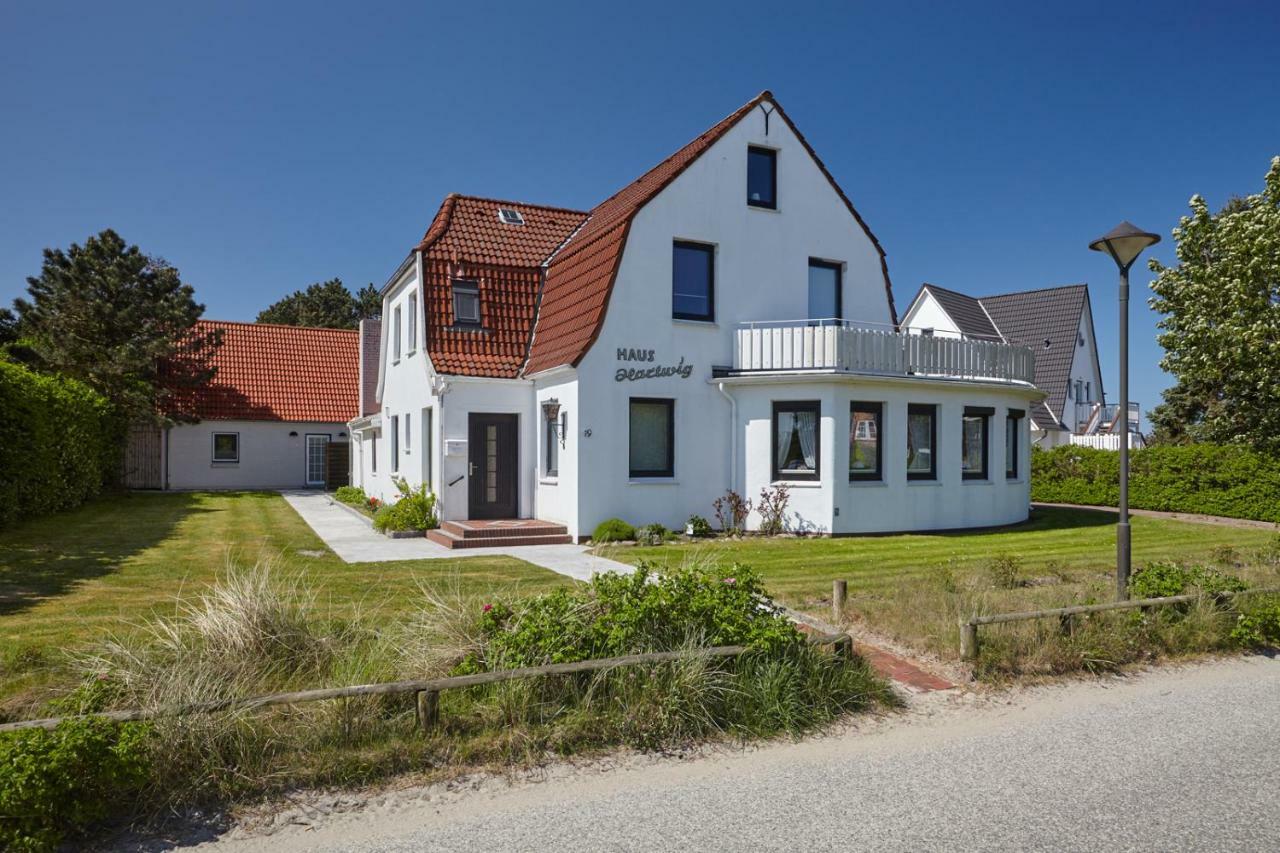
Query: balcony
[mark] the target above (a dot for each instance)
(836, 346)
(1095, 418)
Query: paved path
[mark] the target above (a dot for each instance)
(354, 541)
(1195, 518)
(1178, 759)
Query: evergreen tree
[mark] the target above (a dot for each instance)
(325, 304)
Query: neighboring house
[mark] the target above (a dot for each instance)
(1057, 323)
(279, 396)
(723, 322)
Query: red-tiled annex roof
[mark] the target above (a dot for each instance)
(277, 373)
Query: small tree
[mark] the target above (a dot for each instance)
(112, 317)
(1221, 323)
(326, 304)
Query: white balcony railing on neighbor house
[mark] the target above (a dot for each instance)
(1106, 441)
(837, 346)
(1094, 418)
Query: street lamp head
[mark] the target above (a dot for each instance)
(1124, 243)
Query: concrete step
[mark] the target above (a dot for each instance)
(513, 529)
(449, 539)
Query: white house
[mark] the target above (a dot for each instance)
(279, 397)
(723, 322)
(1057, 324)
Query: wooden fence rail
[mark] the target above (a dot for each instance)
(427, 691)
(969, 627)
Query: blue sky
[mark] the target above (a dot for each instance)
(261, 147)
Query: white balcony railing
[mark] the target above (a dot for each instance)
(837, 346)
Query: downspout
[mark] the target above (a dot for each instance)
(733, 436)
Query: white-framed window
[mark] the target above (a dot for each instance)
(408, 433)
(395, 444)
(396, 334)
(373, 453)
(413, 322)
(226, 447)
(426, 446)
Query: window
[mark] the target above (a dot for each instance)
(466, 303)
(413, 322)
(226, 447)
(408, 432)
(396, 334)
(554, 431)
(762, 177)
(975, 440)
(373, 453)
(507, 216)
(824, 290)
(864, 441)
(395, 444)
(693, 281)
(795, 440)
(1088, 391)
(652, 440)
(1012, 422)
(922, 442)
(425, 444)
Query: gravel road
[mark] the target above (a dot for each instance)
(1174, 759)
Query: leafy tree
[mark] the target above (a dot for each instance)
(1221, 323)
(326, 304)
(114, 318)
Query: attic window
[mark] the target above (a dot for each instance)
(507, 216)
(762, 177)
(466, 303)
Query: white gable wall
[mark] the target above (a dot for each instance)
(927, 313)
(1084, 369)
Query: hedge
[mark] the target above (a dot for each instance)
(59, 443)
(1198, 478)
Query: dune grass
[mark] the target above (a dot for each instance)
(74, 578)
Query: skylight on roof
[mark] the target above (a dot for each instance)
(507, 216)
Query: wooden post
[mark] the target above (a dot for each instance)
(1067, 624)
(844, 647)
(968, 641)
(839, 594)
(428, 709)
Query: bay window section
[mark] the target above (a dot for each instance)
(693, 281)
(651, 451)
(796, 440)
(1012, 424)
(975, 442)
(865, 424)
(922, 442)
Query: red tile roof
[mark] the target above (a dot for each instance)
(277, 373)
(467, 240)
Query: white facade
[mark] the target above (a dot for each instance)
(722, 436)
(268, 454)
(927, 314)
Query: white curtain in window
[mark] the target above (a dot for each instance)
(807, 429)
(786, 429)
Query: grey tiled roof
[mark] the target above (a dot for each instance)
(1048, 321)
(966, 311)
(370, 342)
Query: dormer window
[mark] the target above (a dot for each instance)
(507, 216)
(466, 303)
(762, 177)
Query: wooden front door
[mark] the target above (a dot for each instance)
(492, 469)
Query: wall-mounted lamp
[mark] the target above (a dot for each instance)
(293, 434)
(555, 423)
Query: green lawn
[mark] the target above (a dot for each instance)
(75, 577)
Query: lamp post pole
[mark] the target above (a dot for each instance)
(1124, 243)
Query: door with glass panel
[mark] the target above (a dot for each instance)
(492, 466)
(317, 459)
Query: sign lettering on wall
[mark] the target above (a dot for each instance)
(631, 374)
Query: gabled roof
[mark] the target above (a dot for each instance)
(581, 275)
(966, 311)
(267, 372)
(1048, 321)
(467, 239)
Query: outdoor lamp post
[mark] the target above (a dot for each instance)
(1124, 243)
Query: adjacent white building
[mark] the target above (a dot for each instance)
(723, 322)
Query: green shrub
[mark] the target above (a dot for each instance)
(1005, 571)
(1258, 626)
(353, 495)
(60, 442)
(1162, 579)
(415, 510)
(1199, 478)
(613, 530)
(58, 783)
(652, 534)
(698, 526)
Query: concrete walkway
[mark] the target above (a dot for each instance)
(354, 541)
(1194, 518)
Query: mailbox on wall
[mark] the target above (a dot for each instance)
(455, 447)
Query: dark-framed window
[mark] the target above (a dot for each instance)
(762, 177)
(466, 302)
(226, 447)
(1012, 429)
(652, 437)
(426, 445)
(825, 290)
(395, 332)
(797, 440)
(413, 322)
(866, 423)
(922, 442)
(554, 430)
(395, 444)
(693, 281)
(975, 442)
(373, 453)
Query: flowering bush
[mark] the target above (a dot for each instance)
(731, 512)
(414, 510)
(773, 509)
